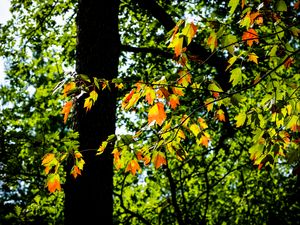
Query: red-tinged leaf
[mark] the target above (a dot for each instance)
(250, 36)
(133, 100)
(177, 91)
(253, 57)
(132, 167)
(220, 115)
(68, 87)
(53, 183)
(116, 154)
(185, 78)
(66, 110)
(243, 4)
(48, 158)
(189, 31)
(174, 101)
(139, 155)
(204, 140)
(75, 171)
(177, 43)
(157, 114)
(150, 95)
(77, 155)
(215, 94)
(147, 160)
(212, 41)
(127, 98)
(260, 166)
(159, 160)
(296, 6)
(203, 124)
(288, 62)
(162, 92)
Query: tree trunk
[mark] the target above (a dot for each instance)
(89, 197)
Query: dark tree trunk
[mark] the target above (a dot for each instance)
(89, 197)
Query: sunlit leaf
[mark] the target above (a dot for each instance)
(157, 114)
(253, 57)
(133, 167)
(159, 159)
(53, 183)
(189, 31)
(233, 4)
(250, 36)
(66, 110)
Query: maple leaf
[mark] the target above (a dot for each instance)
(159, 160)
(288, 62)
(68, 87)
(189, 31)
(204, 140)
(157, 114)
(88, 102)
(162, 92)
(209, 104)
(253, 57)
(102, 148)
(173, 101)
(53, 183)
(195, 129)
(75, 171)
(48, 158)
(212, 41)
(127, 98)
(236, 76)
(203, 124)
(233, 4)
(185, 78)
(250, 36)
(177, 91)
(240, 119)
(94, 95)
(220, 115)
(150, 95)
(133, 166)
(66, 110)
(177, 43)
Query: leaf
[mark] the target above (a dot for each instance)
(75, 171)
(212, 41)
(53, 183)
(127, 98)
(66, 110)
(209, 104)
(177, 43)
(281, 6)
(159, 160)
(150, 95)
(177, 91)
(195, 129)
(204, 140)
(88, 103)
(214, 87)
(174, 101)
(203, 124)
(250, 36)
(94, 95)
(233, 4)
(220, 115)
(132, 167)
(236, 76)
(229, 42)
(253, 57)
(48, 158)
(157, 114)
(231, 61)
(189, 31)
(68, 87)
(185, 78)
(240, 119)
(102, 148)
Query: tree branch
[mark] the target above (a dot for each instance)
(154, 51)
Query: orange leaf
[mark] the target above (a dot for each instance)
(288, 62)
(127, 98)
(116, 154)
(159, 160)
(53, 183)
(75, 171)
(176, 43)
(250, 36)
(174, 101)
(204, 140)
(162, 92)
(177, 91)
(68, 87)
(296, 5)
(220, 115)
(150, 95)
(185, 78)
(133, 166)
(48, 158)
(66, 110)
(212, 41)
(157, 114)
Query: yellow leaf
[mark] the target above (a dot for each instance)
(178, 91)
(88, 102)
(94, 95)
(189, 31)
(185, 78)
(176, 43)
(173, 101)
(68, 87)
(209, 104)
(150, 95)
(253, 57)
(195, 129)
(220, 115)
(157, 114)
(212, 41)
(48, 158)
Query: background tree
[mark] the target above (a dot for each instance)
(205, 174)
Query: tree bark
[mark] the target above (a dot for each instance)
(88, 198)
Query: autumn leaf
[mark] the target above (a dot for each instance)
(203, 124)
(157, 114)
(174, 101)
(250, 36)
(48, 158)
(220, 115)
(150, 95)
(102, 148)
(127, 98)
(75, 171)
(185, 78)
(204, 140)
(240, 119)
(132, 167)
(94, 95)
(189, 31)
(212, 41)
(88, 103)
(68, 87)
(53, 183)
(253, 57)
(163, 93)
(177, 43)
(159, 160)
(209, 104)
(195, 129)
(288, 62)
(177, 91)
(66, 110)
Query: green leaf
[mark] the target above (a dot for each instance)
(229, 41)
(281, 6)
(240, 119)
(214, 87)
(233, 4)
(236, 76)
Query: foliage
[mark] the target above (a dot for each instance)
(214, 134)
